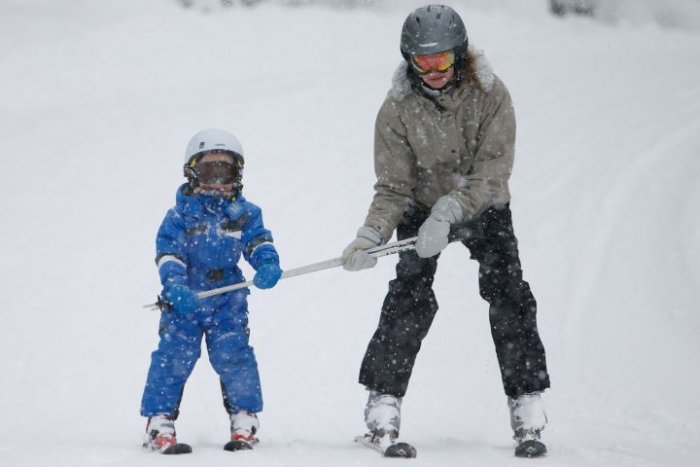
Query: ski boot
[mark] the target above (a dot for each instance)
(244, 426)
(528, 419)
(161, 436)
(383, 419)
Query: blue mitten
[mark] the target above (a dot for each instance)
(183, 299)
(267, 275)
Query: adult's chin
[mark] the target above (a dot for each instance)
(436, 84)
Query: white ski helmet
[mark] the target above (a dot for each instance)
(213, 140)
(210, 140)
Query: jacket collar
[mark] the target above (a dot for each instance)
(198, 206)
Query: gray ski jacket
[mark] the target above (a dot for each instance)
(460, 143)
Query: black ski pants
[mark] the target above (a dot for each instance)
(410, 306)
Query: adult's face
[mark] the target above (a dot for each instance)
(436, 70)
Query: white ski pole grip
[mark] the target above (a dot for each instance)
(377, 252)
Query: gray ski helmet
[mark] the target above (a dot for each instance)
(433, 29)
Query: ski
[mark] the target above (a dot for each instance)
(238, 445)
(531, 449)
(179, 448)
(387, 446)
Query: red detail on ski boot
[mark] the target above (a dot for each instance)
(163, 441)
(250, 439)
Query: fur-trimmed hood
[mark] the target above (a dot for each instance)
(477, 70)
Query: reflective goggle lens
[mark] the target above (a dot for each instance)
(216, 173)
(437, 62)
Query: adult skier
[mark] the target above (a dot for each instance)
(443, 154)
(198, 248)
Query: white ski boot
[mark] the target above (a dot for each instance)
(244, 426)
(161, 436)
(528, 419)
(383, 419)
(383, 413)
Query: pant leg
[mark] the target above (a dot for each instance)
(233, 359)
(407, 313)
(513, 309)
(171, 364)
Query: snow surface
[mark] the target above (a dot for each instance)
(97, 102)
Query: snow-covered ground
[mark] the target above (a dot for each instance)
(97, 102)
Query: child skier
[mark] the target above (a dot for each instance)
(198, 247)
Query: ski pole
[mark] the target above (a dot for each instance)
(376, 252)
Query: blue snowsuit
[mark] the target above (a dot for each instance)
(199, 245)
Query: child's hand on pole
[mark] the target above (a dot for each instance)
(267, 275)
(181, 298)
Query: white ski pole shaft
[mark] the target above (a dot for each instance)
(331, 263)
(377, 252)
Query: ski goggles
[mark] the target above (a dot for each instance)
(441, 62)
(216, 173)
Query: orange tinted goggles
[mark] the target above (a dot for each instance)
(441, 62)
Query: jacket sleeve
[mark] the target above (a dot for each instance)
(257, 240)
(170, 250)
(395, 168)
(486, 183)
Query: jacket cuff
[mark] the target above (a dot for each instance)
(172, 270)
(264, 254)
(368, 233)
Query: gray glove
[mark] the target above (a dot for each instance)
(354, 256)
(432, 235)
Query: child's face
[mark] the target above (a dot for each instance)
(218, 168)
